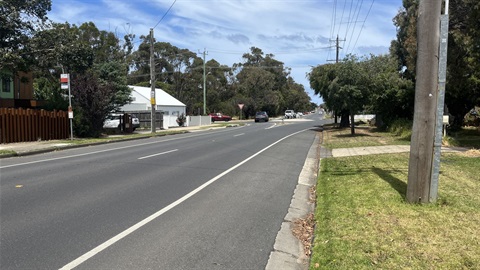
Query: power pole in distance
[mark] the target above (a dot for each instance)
(423, 130)
(204, 85)
(153, 102)
(337, 46)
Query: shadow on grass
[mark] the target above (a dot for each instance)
(350, 135)
(397, 184)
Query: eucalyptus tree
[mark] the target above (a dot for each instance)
(265, 84)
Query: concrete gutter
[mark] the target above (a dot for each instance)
(288, 250)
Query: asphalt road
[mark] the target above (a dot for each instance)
(205, 200)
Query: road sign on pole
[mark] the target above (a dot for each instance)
(240, 105)
(65, 84)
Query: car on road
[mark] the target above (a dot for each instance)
(220, 117)
(261, 116)
(289, 114)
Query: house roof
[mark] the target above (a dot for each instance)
(162, 98)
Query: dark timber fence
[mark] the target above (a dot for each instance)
(23, 125)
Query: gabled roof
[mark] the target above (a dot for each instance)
(162, 98)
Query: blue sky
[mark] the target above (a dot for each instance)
(299, 33)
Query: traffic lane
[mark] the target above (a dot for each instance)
(79, 208)
(87, 206)
(109, 148)
(37, 181)
(231, 224)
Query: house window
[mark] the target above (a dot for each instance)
(6, 85)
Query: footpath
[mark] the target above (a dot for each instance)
(288, 251)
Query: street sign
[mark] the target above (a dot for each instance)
(64, 81)
(240, 105)
(70, 112)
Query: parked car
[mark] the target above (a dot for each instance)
(289, 114)
(135, 122)
(220, 117)
(113, 121)
(299, 114)
(261, 116)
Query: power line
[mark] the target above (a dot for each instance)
(164, 15)
(355, 24)
(373, 1)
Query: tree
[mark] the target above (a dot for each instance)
(92, 103)
(97, 65)
(343, 86)
(391, 95)
(463, 67)
(405, 47)
(18, 21)
(263, 83)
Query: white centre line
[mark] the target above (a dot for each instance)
(239, 135)
(103, 151)
(163, 153)
(162, 211)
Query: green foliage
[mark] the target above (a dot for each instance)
(15, 30)
(49, 91)
(463, 68)
(93, 101)
(401, 128)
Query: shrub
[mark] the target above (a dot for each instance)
(402, 128)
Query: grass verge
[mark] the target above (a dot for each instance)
(342, 138)
(364, 222)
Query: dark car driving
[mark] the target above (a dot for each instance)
(261, 116)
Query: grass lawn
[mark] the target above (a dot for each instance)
(364, 136)
(364, 222)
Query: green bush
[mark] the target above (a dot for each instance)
(401, 128)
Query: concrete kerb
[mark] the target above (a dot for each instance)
(288, 251)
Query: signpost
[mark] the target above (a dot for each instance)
(65, 84)
(240, 105)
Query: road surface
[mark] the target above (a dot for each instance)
(210, 200)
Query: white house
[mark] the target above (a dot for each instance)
(170, 106)
(164, 102)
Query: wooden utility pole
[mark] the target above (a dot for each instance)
(153, 102)
(337, 50)
(423, 131)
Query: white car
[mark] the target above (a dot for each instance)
(113, 121)
(289, 114)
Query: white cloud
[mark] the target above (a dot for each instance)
(297, 32)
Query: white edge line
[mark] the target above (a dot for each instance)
(238, 134)
(145, 221)
(163, 153)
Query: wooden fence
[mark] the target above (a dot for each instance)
(23, 125)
